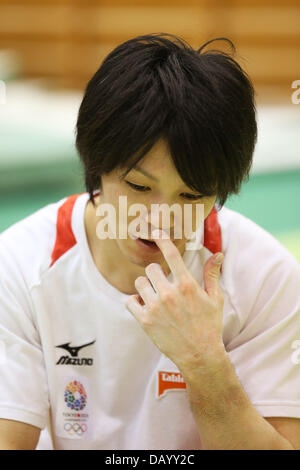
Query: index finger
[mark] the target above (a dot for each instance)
(171, 254)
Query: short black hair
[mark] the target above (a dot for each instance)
(157, 86)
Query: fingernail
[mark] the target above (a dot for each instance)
(219, 258)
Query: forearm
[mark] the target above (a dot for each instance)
(224, 415)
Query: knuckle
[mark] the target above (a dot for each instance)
(146, 322)
(154, 309)
(166, 297)
(213, 275)
(186, 286)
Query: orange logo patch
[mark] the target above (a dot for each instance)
(169, 380)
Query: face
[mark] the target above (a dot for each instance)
(154, 180)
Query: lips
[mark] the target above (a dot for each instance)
(153, 241)
(148, 240)
(147, 246)
(144, 239)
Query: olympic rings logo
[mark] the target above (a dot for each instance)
(75, 428)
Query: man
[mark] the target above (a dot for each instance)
(136, 341)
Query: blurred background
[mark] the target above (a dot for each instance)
(49, 49)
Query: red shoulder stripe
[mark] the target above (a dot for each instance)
(65, 237)
(212, 233)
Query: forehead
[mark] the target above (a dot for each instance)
(159, 156)
(158, 161)
(156, 166)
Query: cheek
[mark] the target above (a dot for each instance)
(200, 211)
(110, 191)
(127, 212)
(203, 212)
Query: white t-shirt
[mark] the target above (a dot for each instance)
(73, 357)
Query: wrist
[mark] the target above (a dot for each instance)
(205, 365)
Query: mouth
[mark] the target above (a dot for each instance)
(148, 241)
(148, 245)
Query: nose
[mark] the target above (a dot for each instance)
(156, 220)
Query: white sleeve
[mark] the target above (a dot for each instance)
(23, 380)
(265, 291)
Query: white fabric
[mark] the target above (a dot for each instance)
(42, 307)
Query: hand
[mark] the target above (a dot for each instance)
(182, 319)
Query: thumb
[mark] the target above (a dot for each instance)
(212, 274)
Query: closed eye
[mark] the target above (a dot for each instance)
(193, 196)
(136, 187)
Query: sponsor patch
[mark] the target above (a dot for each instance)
(168, 381)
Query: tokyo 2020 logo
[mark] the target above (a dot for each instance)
(75, 396)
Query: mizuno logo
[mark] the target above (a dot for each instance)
(74, 359)
(73, 350)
